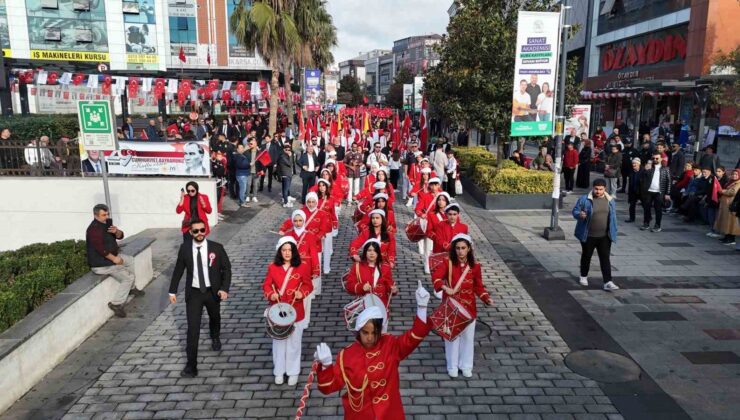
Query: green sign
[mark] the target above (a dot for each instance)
(96, 125)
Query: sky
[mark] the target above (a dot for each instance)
(364, 25)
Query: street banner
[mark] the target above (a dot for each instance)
(579, 121)
(418, 86)
(537, 45)
(408, 95)
(330, 86)
(313, 90)
(160, 158)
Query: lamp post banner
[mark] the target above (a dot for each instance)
(535, 70)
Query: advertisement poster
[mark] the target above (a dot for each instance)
(418, 86)
(156, 158)
(235, 50)
(537, 45)
(57, 99)
(71, 32)
(579, 120)
(330, 87)
(141, 34)
(4, 36)
(313, 90)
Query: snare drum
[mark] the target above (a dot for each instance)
(353, 309)
(450, 319)
(436, 260)
(416, 229)
(279, 320)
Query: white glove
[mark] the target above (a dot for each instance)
(323, 354)
(422, 296)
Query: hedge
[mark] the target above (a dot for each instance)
(27, 127)
(470, 157)
(512, 179)
(35, 273)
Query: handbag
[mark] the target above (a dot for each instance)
(458, 187)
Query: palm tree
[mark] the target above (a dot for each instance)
(317, 36)
(268, 27)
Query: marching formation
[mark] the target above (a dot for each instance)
(366, 370)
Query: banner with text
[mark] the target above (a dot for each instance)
(160, 158)
(537, 45)
(313, 90)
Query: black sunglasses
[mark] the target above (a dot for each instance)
(191, 191)
(201, 230)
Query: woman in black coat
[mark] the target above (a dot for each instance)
(584, 166)
(285, 172)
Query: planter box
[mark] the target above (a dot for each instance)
(507, 201)
(35, 345)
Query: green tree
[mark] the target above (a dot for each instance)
(268, 27)
(395, 98)
(473, 81)
(725, 90)
(350, 92)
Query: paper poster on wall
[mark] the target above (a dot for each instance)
(535, 66)
(579, 121)
(159, 158)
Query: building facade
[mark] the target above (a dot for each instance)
(649, 62)
(416, 53)
(147, 36)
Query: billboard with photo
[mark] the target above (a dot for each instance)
(157, 158)
(535, 66)
(579, 121)
(235, 50)
(331, 89)
(73, 31)
(140, 33)
(145, 15)
(313, 89)
(418, 86)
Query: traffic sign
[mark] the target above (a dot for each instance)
(96, 125)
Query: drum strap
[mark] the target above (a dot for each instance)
(286, 280)
(459, 283)
(310, 218)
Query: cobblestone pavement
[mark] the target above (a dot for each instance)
(519, 371)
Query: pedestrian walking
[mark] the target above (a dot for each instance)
(612, 170)
(596, 229)
(634, 194)
(285, 171)
(105, 258)
(309, 167)
(195, 206)
(208, 277)
(655, 186)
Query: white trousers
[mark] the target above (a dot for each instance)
(459, 352)
(326, 253)
(286, 354)
(425, 249)
(354, 187)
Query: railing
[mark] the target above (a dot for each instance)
(19, 158)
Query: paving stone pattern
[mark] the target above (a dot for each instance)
(519, 369)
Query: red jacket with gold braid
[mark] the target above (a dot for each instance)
(387, 248)
(319, 225)
(442, 233)
(472, 284)
(307, 248)
(299, 279)
(370, 376)
(380, 288)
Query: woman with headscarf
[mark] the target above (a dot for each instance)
(368, 368)
(378, 229)
(195, 205)
(727, 222)
(288, 281)
(460, 279)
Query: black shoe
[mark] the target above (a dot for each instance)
(629, 221)
(189, 372)
(644, 227)
(136, 292)
(656, 229)
(216, 344)
(117, 310)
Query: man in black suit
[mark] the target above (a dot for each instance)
(310, 166)
(207, 284)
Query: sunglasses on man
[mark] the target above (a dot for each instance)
(196, 230)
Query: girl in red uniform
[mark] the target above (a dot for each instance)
(437, 214)
(327, 204)
(460, 279)
(306, 242)
(425, 202)
(371, 274)
(368, 368)
(380, 201)
(443, 232)
(377, 229)
(288, 281)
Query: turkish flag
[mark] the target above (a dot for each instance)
(181, 56)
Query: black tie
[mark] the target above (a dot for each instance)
(201, 275)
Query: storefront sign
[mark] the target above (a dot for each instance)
(655, 49)
(69, 56)
(537, 46)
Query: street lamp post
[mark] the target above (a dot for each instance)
(554, 232)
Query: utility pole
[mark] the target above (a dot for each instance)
(554, 232)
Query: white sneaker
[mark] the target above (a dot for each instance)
(292, 380)
(468, 373)
(245, 205)
(254, 199)
(247, 200)
(285, 205)
(291, 199)
(584, 281)
(609, 286)
(279, 380)
(452, 373)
